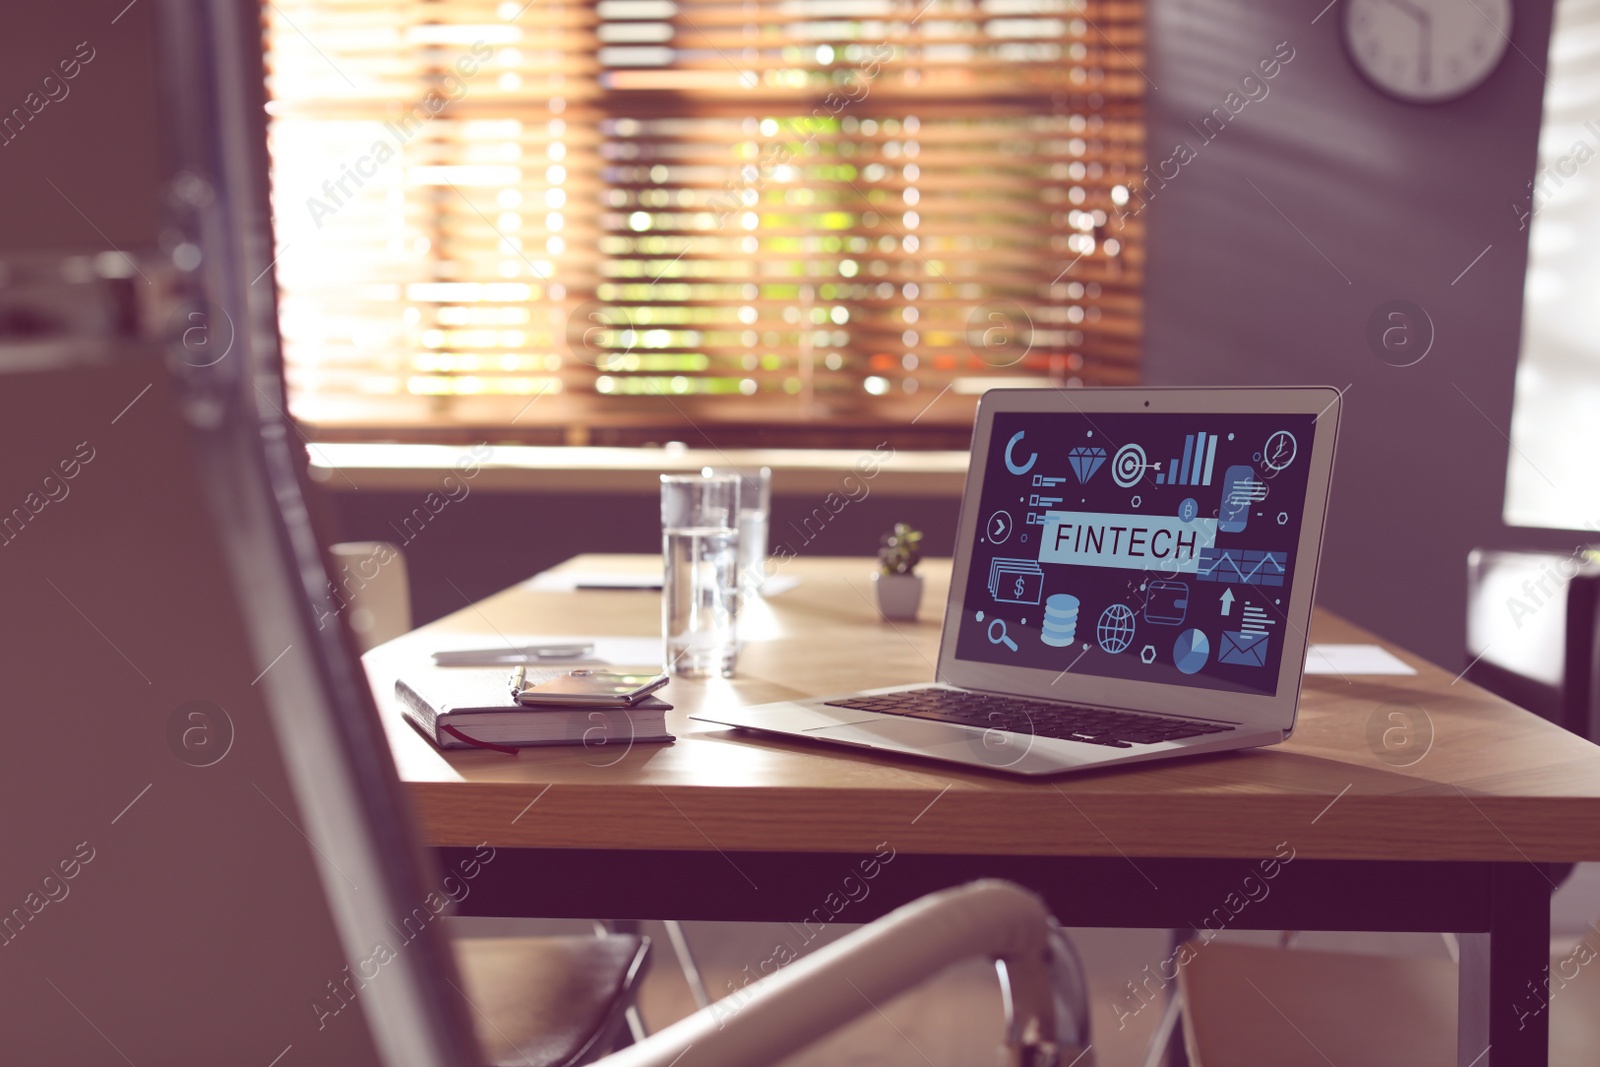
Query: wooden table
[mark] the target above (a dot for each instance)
(726, 826)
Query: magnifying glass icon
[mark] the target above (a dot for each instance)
(997, 634)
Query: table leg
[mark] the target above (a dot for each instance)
(1504, 1018)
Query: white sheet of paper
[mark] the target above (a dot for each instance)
(778, 584)
(1354, 659)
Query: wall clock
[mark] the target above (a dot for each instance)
(1427, 51)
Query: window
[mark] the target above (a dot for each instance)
(1554, 434)
(743, 221)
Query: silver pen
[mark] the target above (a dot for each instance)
(489, 657)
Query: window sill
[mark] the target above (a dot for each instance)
(397, 467)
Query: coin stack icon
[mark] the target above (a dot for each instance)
(1060, 620)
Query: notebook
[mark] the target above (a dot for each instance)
(474, 709)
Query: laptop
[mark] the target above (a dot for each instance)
(1133, 580)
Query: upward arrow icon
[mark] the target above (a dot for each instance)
(1227, 600)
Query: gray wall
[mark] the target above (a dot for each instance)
(80, 165)
(1370, 200)
(491, 540)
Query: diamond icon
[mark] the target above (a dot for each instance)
(1085, 460)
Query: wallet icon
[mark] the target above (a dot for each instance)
(1166, 603)
(1243, 649)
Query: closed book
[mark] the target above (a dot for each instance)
(467, 709)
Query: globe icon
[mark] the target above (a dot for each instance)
(1115, 629)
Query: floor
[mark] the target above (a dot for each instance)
(955, 1019)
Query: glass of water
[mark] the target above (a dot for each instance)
(755, 505)
(700, 557)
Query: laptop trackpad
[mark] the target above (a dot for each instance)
(900, 733)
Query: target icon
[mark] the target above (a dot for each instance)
(1127, 467)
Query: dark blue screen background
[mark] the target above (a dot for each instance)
(1218, 626)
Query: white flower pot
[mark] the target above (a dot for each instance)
(899, 595)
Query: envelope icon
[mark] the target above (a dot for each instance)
(1243, 649)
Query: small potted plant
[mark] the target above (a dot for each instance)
(899, 586)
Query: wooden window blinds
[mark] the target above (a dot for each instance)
(631, 220)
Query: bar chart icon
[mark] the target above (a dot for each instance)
(1199, 457)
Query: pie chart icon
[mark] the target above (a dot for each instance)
(1190, 651)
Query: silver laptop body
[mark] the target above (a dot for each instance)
(1150, 552)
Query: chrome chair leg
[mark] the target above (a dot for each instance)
(686, 963)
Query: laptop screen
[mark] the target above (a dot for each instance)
(1152, 547)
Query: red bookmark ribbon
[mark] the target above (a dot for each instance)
(475, 743)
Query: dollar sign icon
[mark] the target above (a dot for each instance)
(1017, 591)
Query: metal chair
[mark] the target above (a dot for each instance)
(1249, 1006)
(1531, 639)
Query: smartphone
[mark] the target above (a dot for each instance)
(617, 688)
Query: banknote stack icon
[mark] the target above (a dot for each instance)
(1017, 581)
(1060, 620)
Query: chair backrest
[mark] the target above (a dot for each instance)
(1532, 633)
(207, 857)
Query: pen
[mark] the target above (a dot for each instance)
(518, 677)
(493, 656)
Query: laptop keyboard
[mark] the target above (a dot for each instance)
(1037, 718)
